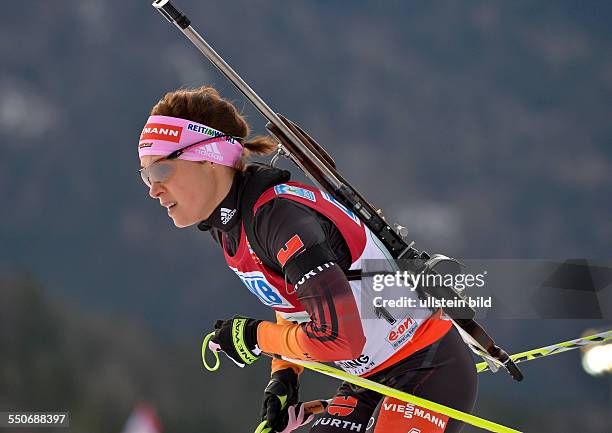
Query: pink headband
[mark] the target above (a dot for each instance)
(162, 135)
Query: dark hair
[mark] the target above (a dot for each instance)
(205, 105)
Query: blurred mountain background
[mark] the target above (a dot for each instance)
(483, 126)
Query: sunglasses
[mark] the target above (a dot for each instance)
(161, 170)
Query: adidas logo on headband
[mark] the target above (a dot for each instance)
(210, 150)
(226, 215)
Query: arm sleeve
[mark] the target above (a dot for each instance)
(291, 233)
(280, 364)
(334, 332)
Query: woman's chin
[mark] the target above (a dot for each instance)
(181, 222)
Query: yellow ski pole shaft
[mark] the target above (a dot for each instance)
(391, 392)
(381, 389)
(542, 352)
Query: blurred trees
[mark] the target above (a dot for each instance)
(59, 357)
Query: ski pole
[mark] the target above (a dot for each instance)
(554, 349)
(381, 389)
(528, 355)
(404, 396)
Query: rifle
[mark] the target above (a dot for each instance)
(319, 167)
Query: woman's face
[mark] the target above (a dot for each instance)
(192, 190)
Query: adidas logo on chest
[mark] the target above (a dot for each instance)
(226, 215)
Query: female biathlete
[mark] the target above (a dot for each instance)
(292, 245)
